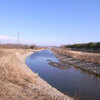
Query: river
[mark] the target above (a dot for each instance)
(64, 77)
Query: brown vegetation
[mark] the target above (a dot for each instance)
(18, 82)
(88, 57)
(8, 69)
(15, 76)
(19, 46)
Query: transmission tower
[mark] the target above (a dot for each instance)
(18, 40)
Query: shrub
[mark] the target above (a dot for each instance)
(90, 45)
(32, 46)
(97, 45)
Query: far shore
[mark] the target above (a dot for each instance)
(86, 61)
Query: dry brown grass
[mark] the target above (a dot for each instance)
(88, 57)
(15, 76)
(18, 82)
(10, 67)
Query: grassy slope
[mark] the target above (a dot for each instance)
(88, 57)
(15, 77)
(18, 82)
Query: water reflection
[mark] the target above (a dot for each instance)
(66, 78)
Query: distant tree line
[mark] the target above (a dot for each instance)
(90, 45)
(20, 46)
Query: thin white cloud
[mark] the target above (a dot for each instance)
(7, 37)
(11, 39)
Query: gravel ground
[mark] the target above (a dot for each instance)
(88, 66)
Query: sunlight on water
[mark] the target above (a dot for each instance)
(64, 77)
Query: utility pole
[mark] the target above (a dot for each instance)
(18, 40)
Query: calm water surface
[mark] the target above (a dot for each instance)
(64, 77)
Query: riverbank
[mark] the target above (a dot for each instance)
(86, 61)
(18, 82)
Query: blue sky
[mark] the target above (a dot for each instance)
(50, 22)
